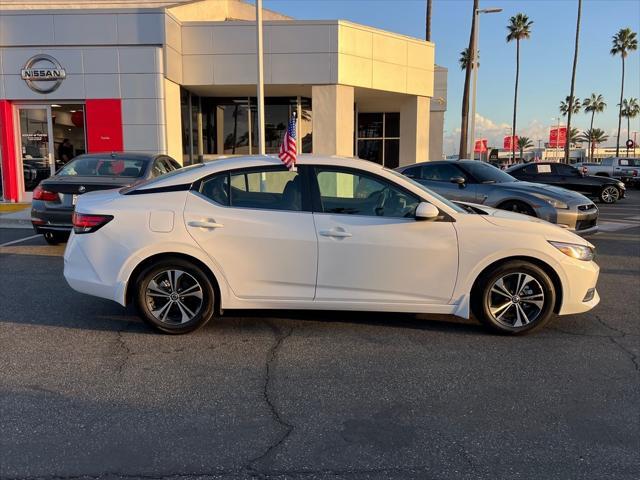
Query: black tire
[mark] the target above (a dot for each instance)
(609, 194)
(54, 238)
(489, 305)
(518, 207)
(166, 289)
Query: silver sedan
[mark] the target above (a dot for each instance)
(478, 182)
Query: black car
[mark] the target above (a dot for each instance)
(54, 198)
(608, 190)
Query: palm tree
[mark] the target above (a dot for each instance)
(428, 20)
(574, 136)
(464, 120)
(570, 109)
(570, 105)
(594, 104)
(519, 29)
(594, 136)
(623, 42)
(465, 59)
(524, 142)
(630, 109)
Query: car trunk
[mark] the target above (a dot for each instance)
(68, 188)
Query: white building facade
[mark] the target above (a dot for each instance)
(179, 78)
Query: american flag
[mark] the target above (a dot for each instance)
(288, 149)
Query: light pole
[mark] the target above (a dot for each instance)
(474, 66)
(557, 136)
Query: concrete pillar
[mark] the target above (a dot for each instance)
(414, 130)
(173, 120)
(332, 120)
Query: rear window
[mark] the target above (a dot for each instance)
(104, 167)
(629, 162)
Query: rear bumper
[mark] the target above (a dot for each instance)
(46, 219)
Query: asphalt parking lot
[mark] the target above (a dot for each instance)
(88, 391)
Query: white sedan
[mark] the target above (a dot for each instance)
(337, 234)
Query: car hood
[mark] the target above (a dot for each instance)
(549, 190)
(517, 221)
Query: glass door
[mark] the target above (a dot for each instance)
(36, 147)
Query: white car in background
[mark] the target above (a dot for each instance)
(337, 234)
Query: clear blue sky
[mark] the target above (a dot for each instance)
(546, 58)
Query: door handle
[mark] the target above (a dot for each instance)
(335, 233)
(205, 224)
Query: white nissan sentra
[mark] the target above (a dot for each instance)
(337, 234)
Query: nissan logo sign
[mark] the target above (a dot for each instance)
(43, 73)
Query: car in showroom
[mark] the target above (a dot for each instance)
(607, 190)
(54, 198)
(479, 182)
(335, 234)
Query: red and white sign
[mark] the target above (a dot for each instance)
(557, 137)
(507, 142)
(481, 145)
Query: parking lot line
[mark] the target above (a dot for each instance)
(20, 240)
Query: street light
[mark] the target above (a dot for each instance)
(474, 66)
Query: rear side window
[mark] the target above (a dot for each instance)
(413, 172)
(104, 167)
(216, 188)
(355, 193)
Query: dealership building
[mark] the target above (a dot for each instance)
(179, 78)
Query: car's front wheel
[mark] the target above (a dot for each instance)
(175, 296)
(609, 194)
(514, 298)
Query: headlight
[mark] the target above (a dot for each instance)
(573, 250)
(552, 201)
(621, 185)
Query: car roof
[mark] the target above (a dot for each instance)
(120, 155)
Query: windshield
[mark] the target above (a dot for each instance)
(487, 173)
(104, 167)
(448, 203)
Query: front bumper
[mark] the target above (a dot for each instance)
(581, 219)
(579, 293)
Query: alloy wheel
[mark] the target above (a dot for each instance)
(610, 194)
(516, 299)
(174, 297)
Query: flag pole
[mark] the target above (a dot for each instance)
(261, 136)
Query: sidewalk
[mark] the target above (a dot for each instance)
(15, 215)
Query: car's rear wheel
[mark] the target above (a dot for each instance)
(514, 298)
(518, 207)
(54, 238)
(609, 194)
(175, 296)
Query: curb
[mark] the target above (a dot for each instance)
(15, 223)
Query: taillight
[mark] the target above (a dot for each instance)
(635, 173)
(87, 223)
(40, 193)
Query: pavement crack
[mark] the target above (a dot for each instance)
(632, 356)
(122, 346)
(271, 360)
(613, 329)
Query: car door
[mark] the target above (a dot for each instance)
(569, 177)
(370, 247)
(256, 226)
(438, 177)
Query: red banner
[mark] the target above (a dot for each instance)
(481, 146)
(557, 137)
(506, 143)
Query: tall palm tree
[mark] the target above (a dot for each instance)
(464, 120)
(570, 105)
(594, 136)
(594, 104)
(623, 42)
(519, 29)
(571, 98)
(428, 20)
(524, 142)
(630, 109)
(465, 59)
(574, 136)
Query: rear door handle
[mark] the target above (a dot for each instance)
(205, 224)
(335, 233)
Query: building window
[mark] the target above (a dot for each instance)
(378, 138)
(227, 126)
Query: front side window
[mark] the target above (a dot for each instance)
(357, 193)
(270, 189)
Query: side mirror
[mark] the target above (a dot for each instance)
(426, 211)
(459, 180)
